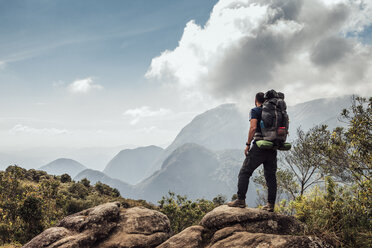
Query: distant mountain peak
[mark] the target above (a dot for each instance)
(141, 149)
(63, 165)
(62, 160)
(185, 150)
(95, 176)
(133, 165)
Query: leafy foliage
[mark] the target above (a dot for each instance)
(305, 160)
(288, 188)
(350, 150)
(65, 178)
(183, 213)
(301, 167)
(31, 214)
(32, 200)
(340, 213)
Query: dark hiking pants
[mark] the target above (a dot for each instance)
(255, 158)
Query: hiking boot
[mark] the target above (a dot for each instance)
(237, 203)
(269, 207)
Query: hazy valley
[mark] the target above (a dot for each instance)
(202, 161)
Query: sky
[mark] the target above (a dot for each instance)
(111, 73)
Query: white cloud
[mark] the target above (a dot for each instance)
(301, 47)
(84, 86)
(19, 128)
(143, 112)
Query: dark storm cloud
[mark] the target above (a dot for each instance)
(330, 50)
(300, 46)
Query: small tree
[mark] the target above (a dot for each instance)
(306, 160)
(350, 151)
(85, 182)
(287, 185)
(65, 178)
(78, 190)
(182, 212)
(104, 189)
(219, 200)
(31, 213)
(76, 205)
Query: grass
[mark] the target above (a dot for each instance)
(13, 245)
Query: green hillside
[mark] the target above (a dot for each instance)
(32, 200)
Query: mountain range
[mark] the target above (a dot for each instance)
(190, 170)
(203, 160)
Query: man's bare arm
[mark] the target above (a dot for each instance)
(252, 130)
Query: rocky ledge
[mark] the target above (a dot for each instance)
(109, 226)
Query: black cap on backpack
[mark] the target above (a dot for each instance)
(271, 94)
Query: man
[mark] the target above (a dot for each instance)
(254, 158)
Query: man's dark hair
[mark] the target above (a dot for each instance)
(260, 97)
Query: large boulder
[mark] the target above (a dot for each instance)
(82, 229)
(226, 227)
(109, 226)
(139, 227)
(252, 220)
(261, 240)
(48, 237)
(248, 227)
(191, 237)
(106, 226)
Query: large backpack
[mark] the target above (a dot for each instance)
(274, 120)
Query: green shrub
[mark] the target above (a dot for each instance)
(5, 233)
(32, 200)
(104, 189)
(78, 190)
(115, 193)
(32, 215)
(36, 175)
(85, 182)
(30, 210)
(182, 212)
(65, 178)
(17, 171)
(219, 200)
(342, 214)
(77, 205)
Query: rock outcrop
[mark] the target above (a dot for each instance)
(106, 226)
(139, 227)
(226, 227)
(189, 238)
(109, 226)
(251, 220)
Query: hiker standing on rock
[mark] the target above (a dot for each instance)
(255, 155)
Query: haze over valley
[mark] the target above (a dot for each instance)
(202, 162)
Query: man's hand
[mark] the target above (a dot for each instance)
(246, 150)
(252, 130)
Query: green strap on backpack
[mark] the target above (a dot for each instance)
(265, 144)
